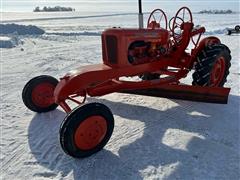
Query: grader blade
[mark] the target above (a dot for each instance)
(217, 95)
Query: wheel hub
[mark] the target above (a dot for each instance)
(218, 72)
(42, 95)
(90, 132)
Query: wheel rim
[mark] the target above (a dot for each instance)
(42, 95)
(90, 132)
(218, 72)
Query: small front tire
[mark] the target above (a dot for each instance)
(86, 130)
(37, 95)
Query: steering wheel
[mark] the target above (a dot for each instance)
(171, 22)
(182, 16)
(157, 19)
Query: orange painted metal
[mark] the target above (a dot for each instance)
(80, 80)
(90, 132)
(185, 92)
(101, 79)
(218, 71)
(127, 36)
(42, 95)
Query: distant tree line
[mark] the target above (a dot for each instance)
(216, 12)
(53, 9)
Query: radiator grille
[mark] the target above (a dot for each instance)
(111, 42)
(104, 55)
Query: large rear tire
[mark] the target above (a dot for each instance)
(37, 95)
(86, 130)
(212, 66)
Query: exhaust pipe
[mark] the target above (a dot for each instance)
(140, 15)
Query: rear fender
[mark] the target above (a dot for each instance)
(208, 41)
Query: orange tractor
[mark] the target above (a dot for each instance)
(156, 57)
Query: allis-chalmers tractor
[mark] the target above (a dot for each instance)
(157, 55)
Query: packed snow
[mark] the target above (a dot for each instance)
(154, 138)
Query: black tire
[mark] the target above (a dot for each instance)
(75, 119)
(28, 91)
(237, 28)
(229, 32)
(205, 62)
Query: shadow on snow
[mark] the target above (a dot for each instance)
(212, 156)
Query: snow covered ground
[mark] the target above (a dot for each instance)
(154, 138)
(7, 42)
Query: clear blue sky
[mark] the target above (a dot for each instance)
(119, 5)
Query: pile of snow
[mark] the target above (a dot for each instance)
(8, 42)
(20, 29)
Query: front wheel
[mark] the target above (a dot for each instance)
(86, 130)
(37, 94)
(212, 66)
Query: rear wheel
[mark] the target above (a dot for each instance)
(86, 130)
(38, 93)
(212, 67)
